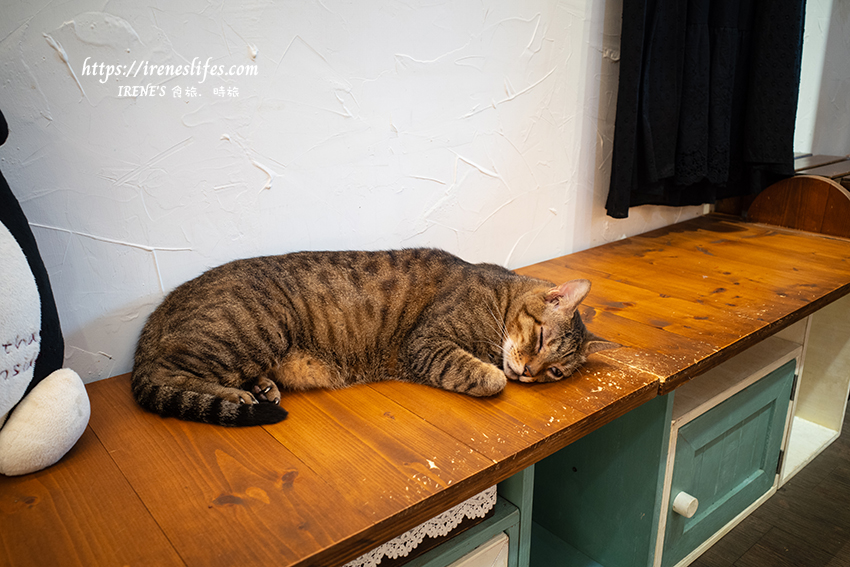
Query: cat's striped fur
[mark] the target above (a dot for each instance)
(221, 347)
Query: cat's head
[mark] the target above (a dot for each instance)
(545, 338)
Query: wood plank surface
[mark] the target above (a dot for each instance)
(618, 315)
(79, 512)
(222, 496)
(672, 272)
(378, 455)
(353, 468)
(543, 416)
(697, 321)
(835, 170)
(811, 161)
(684, 298)
(396, 468)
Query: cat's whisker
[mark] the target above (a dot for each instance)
(499, 327)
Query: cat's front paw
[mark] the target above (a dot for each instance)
(490, 383)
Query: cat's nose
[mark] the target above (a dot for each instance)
(526, 371)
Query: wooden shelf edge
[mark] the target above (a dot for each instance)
(667, 385)
(732, 376)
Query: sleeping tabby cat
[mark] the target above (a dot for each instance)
(240, 333)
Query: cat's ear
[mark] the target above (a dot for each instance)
(592, 344)
(569, 295)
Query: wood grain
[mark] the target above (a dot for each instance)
(503, 426)
(494, 427)
(353, 468)
(381, 457)
(696, 321)
(806, 202)
(730, 284)
(79, 512)
(672, 272)
(221, 495)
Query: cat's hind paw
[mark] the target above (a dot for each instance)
(238, 396)
(266, 390)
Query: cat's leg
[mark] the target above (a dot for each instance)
(445, 365)
(303, 371)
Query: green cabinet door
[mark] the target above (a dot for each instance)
(727, 458)
(598, 500)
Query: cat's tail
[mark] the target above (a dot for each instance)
(169, 401)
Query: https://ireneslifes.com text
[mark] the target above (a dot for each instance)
(196, 72)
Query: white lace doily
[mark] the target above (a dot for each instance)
(475, 507)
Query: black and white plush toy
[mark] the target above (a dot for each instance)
(44, 408)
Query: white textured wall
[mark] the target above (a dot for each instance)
(823, 112)
(481, 127)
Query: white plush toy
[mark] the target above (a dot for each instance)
(53, 416)
(44, 408)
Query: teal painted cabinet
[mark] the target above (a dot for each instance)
(725, 460)
(608, 499)
(597, 501)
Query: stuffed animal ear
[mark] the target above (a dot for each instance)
(569, 295)
(592, 344)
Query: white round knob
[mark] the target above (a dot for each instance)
(685, 505)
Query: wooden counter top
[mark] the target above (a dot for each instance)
(689, 296)
(353, 468)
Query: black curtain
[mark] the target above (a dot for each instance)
(707, 100)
